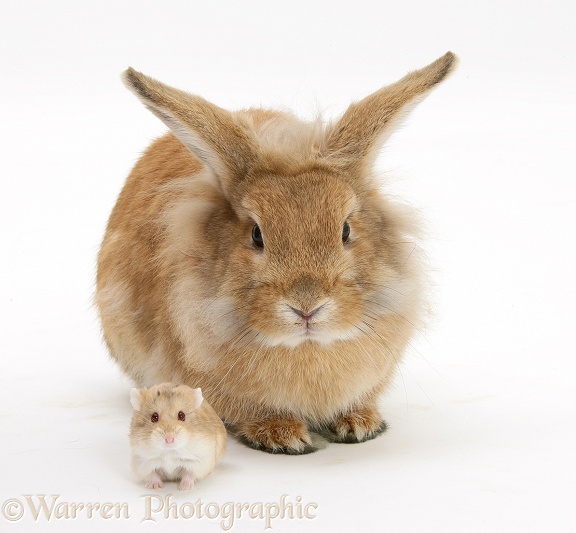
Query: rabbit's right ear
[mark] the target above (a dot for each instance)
(355, 139)
(211, 133)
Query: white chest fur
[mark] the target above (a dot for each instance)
(198, 457)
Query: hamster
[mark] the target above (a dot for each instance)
(174, 435)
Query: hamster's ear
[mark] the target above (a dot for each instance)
(198, 398)
(136, 399)
(355, 139)
(211, 133)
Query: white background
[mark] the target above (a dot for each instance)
(482, 434)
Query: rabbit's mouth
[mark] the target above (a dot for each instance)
(311, 334)
(298, 327)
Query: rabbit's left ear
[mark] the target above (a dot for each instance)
(355, 139)
(211, 133)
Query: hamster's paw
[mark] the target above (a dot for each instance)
(277, 435)
(154, 481)
(186, 482)
(359, 425)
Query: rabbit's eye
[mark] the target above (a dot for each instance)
(181, 416)
(257, 237)
(345, 232)
(154, 417)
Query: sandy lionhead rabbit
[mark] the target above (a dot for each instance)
(254, 255)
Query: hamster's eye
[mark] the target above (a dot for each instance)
(181, 416)
(154, 417)
(257, 237)
(345, 232)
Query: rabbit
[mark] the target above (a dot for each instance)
(255, 255)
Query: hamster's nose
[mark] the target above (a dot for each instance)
(169, 438)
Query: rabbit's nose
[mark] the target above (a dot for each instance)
(305, 315)
(306, 297)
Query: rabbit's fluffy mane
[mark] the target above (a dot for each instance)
(284, 137)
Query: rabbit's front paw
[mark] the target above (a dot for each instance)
(277, 435)
(357, 425)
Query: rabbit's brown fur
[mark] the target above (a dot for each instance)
(185, 296)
